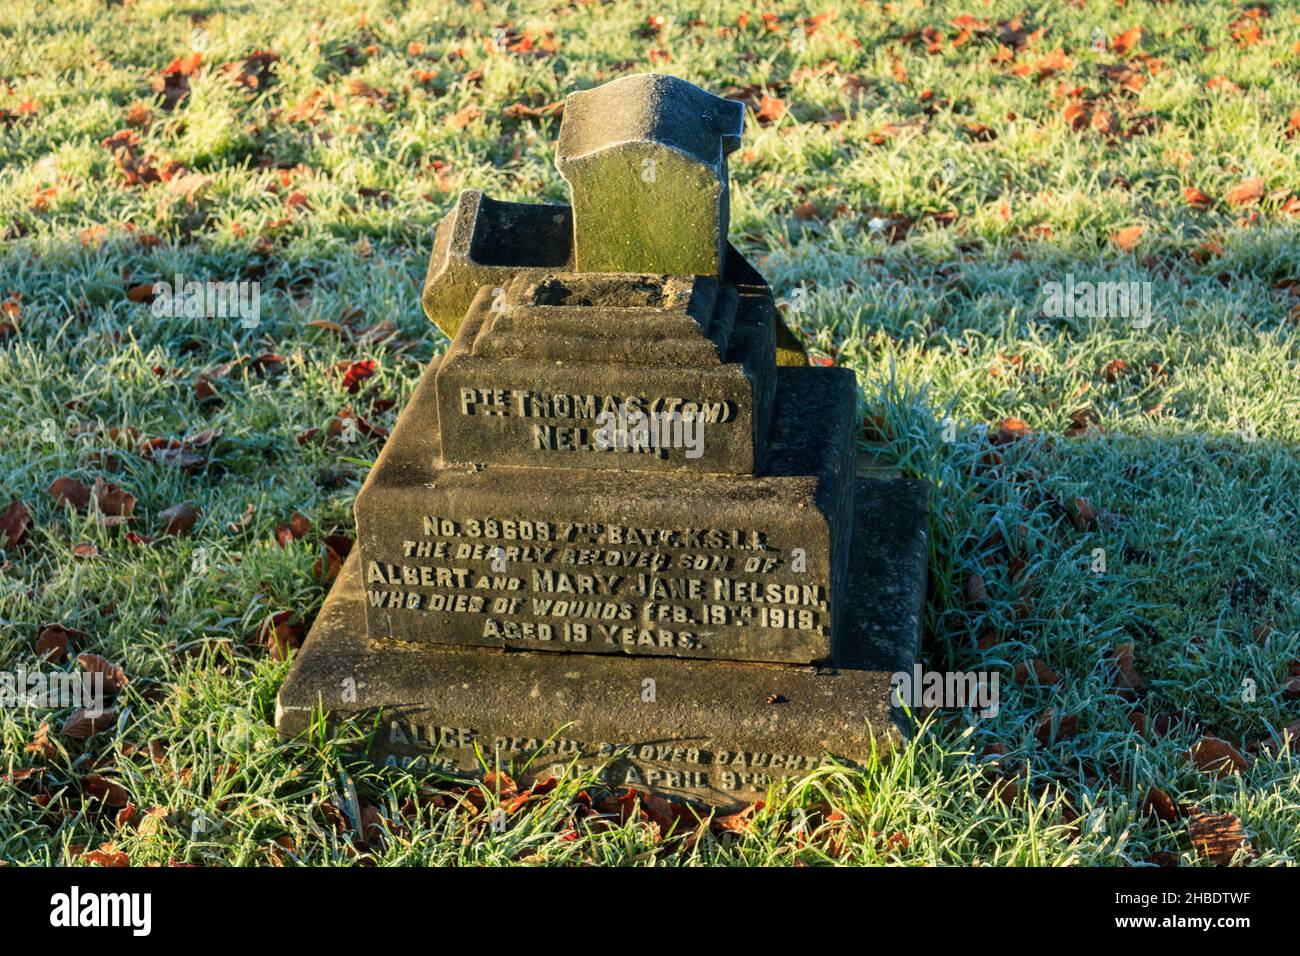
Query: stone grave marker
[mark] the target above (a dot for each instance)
(612, 527)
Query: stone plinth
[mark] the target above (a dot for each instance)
(618, 524)
(716, 733)
(605, 561)
(538, 368)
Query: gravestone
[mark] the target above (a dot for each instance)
(611, 528)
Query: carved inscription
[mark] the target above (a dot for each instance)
(661, 766)
(600, 586)
(570, 422)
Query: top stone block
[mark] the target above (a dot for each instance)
(646, 159)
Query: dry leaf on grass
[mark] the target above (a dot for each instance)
(1218, 757)
(1217, 837)
(1127, 679)
(1160, 804)
(1036, 672)
(1009, 430)
(54, 640)
(1246, 192)
(107, 855)
(179, 518)
(113, 676)
(69, 491)
(15, 522)
(82, 724)
(1127, 239)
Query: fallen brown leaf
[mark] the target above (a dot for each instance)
(1114, 370)
(113, 795)
(52, 643)
(152, 821)
(1160, 804)
(1084, 515)
(1127, 680)
(1246, 192)
(69, 491)
(179, 518)
(770, 109)
(1009, 430)
(1217, 837)
(113, 675)
(1127, 239)
(112, 500)
(1049, 729)
(81, 724)
(41, 743)
(282, 635)
(1217, 757)
(15, 522)
(1036, 672)
(335, 549)
(522, 111)
(1124, 42)
(462, 118)
(108, 854)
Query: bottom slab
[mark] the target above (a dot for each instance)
(713, 732)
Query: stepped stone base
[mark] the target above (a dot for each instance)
(711, 732)
(736, 567)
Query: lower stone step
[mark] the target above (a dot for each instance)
(711, 732)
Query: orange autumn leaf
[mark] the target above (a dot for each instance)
(462, 118)
(1114, 370)
(770, 109)
(1246, 192)
(107, 855)
(741, 821)
(354, 373)
(1125, 41)
(1127, 239)
(1196, 198)
(1009, 430)
(1217, 837)
(1054, 62)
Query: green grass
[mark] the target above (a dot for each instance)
(1200, 527)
